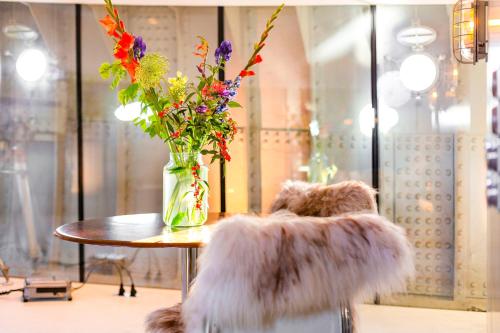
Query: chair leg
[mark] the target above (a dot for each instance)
(210, 327)
(346, 318)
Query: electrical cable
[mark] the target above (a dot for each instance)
(10, 291)
(93, 268)
(131, 261)
(121, 292)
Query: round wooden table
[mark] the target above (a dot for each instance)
(144, 231)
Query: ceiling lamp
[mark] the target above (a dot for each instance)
(31, 65)
(20, 32)
(418, 72)
(469, 31)
(416, 36)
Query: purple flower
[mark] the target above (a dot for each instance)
(221, 108)
(201, 109)
(139, 48)
(223, 51)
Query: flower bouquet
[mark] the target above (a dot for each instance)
(193, 119)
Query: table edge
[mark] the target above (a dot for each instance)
(124, 243)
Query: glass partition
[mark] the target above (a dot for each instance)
(302, 112)
(432, 127)
(37, 136)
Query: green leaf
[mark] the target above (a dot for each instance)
(105, 70)
(188, 97)
(128, 94)
(233, 104)
(178, 169)
(178, 218)
(116, 79)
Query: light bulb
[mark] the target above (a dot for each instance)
(31, 65)
(418, 72)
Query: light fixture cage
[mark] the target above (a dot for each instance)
(470, 39)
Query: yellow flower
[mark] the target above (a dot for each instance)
(152, 68)
(177, 87)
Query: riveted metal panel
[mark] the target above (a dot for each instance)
(417, 193)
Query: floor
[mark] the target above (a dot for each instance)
(393, 319)
(105, 312)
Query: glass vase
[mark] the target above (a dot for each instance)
(181, 207)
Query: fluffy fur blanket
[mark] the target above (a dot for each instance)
(308, 199)
(256, 270)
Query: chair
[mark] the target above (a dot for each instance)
(291, 273)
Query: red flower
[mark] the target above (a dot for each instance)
(110, 25)
(130, 65)
(175, 135)
(244, 73)
(127, 41)
(256, 60)
(205, 91)
(218, 87)
(123, 46)
(121, 53)
(222, 146)
(162, 114)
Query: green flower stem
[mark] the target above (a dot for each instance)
(180, 210)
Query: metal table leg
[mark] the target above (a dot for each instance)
(189, 269)
(346, 318)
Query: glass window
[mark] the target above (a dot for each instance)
(37, 137)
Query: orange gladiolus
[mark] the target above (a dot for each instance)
(123, 46)
(257, 59)
(110, 25)
(127, 41)
(121, 53)
(244, 73)
(201, 50)
(131, 67)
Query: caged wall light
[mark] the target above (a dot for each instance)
(469, 31)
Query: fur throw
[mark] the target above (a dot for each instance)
(280, 257)
(258, 269)
(167, 320)
(307, 199)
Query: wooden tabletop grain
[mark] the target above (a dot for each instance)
(138, 230)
